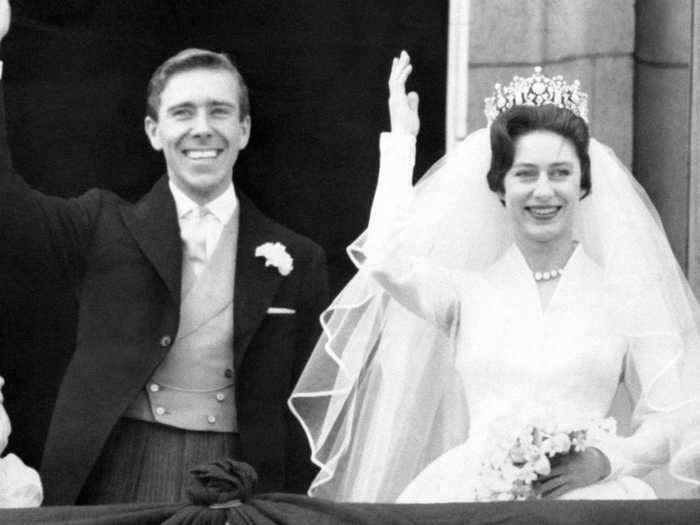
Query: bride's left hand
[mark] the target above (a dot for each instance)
(403, 107)
(573, 471)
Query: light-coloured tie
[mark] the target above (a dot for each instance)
(194, 236)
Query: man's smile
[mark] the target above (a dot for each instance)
(198, 154)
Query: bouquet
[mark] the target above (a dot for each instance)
(515, 458)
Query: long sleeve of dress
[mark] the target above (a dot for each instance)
(653, 377)
(421, 286)
(647, 448)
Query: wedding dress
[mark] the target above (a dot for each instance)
(519, 361)
(443, 333)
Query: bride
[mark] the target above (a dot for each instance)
(525, 277)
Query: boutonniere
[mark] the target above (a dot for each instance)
(276, 255)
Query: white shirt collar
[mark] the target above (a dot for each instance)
(222, 207)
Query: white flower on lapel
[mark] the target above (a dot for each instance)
(276, 255)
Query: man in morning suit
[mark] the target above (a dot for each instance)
(196, 311)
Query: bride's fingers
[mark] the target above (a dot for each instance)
(557, 492)
(548, 481)
(399, 65)
(395, 82)
(404, 73)
(404, 61)
(556, 472)
(547, 488)
(400, 61)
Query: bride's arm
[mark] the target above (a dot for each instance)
(657, 384)
(394, 193)
(653, 376)
(426, 289)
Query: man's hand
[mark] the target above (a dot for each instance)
(403, 108)
(573, 471)
(5, 17)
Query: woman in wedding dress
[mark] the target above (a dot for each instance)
(525, 277)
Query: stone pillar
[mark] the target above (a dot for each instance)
(694, 161)
(661, 116)
(457, 73)
(633, 58)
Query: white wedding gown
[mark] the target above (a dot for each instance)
(516, 358)
(517, 361)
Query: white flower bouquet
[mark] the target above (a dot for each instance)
(516, 459)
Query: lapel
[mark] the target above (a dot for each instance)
(154, 225)
(255, 284)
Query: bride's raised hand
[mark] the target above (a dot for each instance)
(403, 107)
(4, 18)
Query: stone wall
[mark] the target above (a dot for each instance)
(633, 60)
(589, 40)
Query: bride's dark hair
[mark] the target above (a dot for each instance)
(520, 120)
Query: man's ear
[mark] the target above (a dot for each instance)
(151, 127)
(245, 132)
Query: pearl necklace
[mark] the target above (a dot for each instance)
(548, 276)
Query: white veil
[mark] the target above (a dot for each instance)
(379, 398)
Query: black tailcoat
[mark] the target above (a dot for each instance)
(124, 261)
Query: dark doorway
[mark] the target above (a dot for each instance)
(74, 80)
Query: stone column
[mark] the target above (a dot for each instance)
(694, 164)
(661, 116)
(457, 73)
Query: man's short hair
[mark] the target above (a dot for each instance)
(188, 60)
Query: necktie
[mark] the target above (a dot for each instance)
(194, 236)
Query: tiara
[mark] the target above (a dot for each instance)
(537, 90)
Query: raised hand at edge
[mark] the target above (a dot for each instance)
(403, 107)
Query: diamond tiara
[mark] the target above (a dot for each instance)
(537, 90)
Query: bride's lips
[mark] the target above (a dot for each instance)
(543, 212)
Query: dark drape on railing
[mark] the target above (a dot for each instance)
(283, 509)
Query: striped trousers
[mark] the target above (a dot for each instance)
(145, 462)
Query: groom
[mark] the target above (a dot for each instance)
(197, 312)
